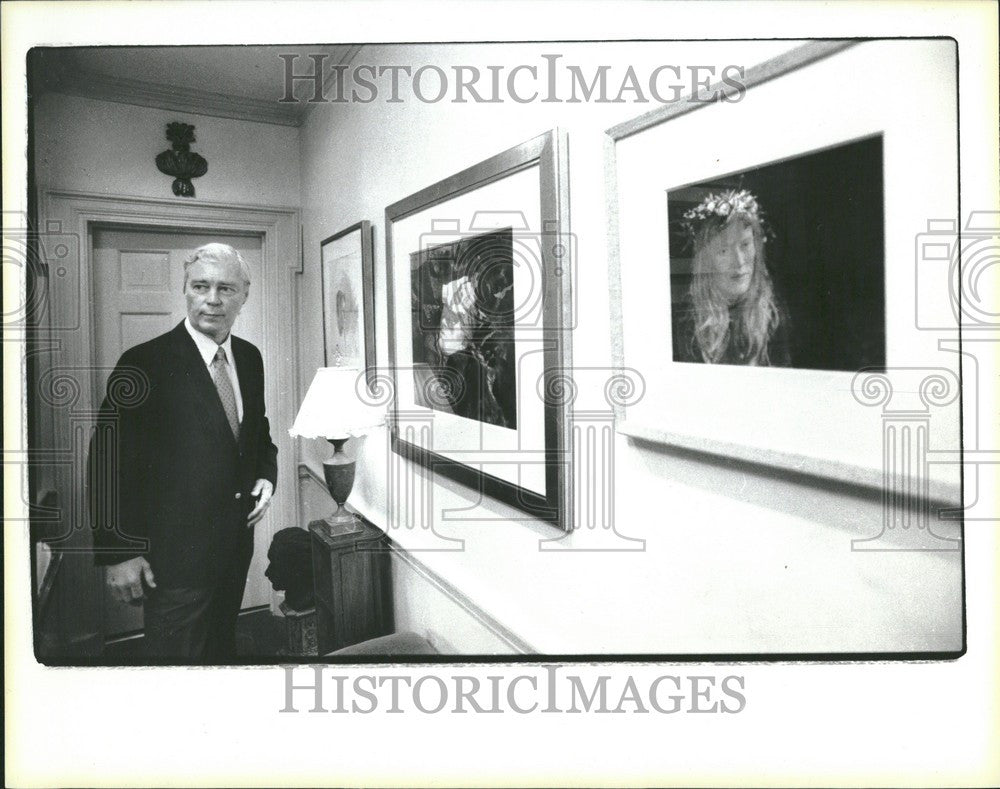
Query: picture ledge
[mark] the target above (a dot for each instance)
(826, 469)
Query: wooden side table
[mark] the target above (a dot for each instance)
(352, 580)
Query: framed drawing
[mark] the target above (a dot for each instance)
(765, 269)
(479, 291)
(349, 299)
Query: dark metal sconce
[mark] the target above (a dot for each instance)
(181, 162)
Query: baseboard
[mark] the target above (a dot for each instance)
(255, 609)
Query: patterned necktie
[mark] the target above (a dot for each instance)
(220, 374)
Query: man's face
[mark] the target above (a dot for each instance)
(215, 293)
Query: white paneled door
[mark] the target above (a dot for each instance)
(138, 294)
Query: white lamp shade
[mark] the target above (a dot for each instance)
(333, 408)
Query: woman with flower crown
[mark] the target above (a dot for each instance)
(730, 314)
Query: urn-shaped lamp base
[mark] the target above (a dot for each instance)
(339, 473)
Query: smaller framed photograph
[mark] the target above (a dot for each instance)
(349, 299)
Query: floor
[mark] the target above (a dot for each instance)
(259, 634)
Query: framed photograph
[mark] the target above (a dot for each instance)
(764, 252)
(349, 299)
(479, 291)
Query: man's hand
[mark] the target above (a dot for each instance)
(125, 580)
(264, 489)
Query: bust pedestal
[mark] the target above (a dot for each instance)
(351, 572)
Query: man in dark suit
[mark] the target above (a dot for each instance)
(182, 467)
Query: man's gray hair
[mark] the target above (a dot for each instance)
(218, 253)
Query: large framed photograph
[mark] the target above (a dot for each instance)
(349, 299)
(764, 267)
(479, 290)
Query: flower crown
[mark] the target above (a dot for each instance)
(722, 205)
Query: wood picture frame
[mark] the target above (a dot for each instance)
(347, 279)
(479, 279)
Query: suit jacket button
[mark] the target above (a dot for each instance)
(239, 495)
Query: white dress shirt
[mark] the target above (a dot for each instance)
(207, 347)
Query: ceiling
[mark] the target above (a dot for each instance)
(244, 82)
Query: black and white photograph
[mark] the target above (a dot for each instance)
(392, 386)
(463, 328)
(782, 265)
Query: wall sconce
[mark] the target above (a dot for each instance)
(181, 162)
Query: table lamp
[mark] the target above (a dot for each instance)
(332, 409)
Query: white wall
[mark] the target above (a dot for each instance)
(734, 561)
(105, 147)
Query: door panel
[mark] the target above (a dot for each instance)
(138, 281)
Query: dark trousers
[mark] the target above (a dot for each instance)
(197, 625)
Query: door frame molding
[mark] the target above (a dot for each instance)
(67, 221)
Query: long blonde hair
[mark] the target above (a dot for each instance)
(746, 326)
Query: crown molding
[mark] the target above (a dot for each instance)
(348, 57)
(94, 85)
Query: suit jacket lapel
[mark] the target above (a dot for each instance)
(200, 384)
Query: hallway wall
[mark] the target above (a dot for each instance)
(101, 146)
(735, 560)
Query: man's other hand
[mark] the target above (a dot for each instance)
(125, 580)
(264, 489)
